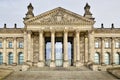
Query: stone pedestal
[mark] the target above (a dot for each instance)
(25, 67)
(78, 64)
(52, 64)
(40, 64)
(14, 64)
(65, 64)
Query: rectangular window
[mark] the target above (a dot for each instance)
(0, 44)
(96, 44)
(20, 44)
(107, 45)
(117, 45)
(10, 45)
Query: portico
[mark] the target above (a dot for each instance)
(55, 48)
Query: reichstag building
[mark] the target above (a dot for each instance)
(60, 38)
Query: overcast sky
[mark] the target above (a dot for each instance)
(104, 11)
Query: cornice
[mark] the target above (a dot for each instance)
(107, 30)
(11, 30)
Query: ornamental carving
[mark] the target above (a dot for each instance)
(59, 16)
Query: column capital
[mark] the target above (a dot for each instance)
(77, 31)
(14, 38)
(29, 31)
(52, 31)
(4, 38)
(103, 38)
(91, 32)
(40, 31)
(86, 36)
(113, 38)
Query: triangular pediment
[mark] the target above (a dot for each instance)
(59, 16)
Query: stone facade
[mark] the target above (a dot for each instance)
(69, 27)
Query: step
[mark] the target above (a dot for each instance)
(83, 68)
(60, 75)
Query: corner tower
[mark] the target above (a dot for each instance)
(30, 13)
(87, 13)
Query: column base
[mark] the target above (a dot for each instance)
(52, 64)
(40, 64)
(74, 63)
(78, 64)
(103, 64)
(65, 64)
(14, 64)
(4, 64)
(25, 67)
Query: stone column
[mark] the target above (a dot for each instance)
(113, 51)
(15, 52)
(91, 47)
(86, 49)
(102, 51)
(29, 48)
(52, 64)
(78, 63)
(74, 46)
(65, 64)
(25, 47)
(4, 51)
(41, 61)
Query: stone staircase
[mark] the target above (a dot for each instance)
(82, 68)
(60, 73)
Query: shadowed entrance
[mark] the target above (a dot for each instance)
(59, 51)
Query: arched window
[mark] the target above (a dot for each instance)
(20, 58)
(117, 58)
(10, 58)
(97, 58)
(1, 58)
(107, 58)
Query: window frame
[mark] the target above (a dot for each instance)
(10, 44)
(10, 58)
(20, 58)
(1, 58)
(20, 44)
(107, 58)
(0, 44)
(117, 58)
(97, 58)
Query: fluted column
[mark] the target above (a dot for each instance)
(4, 51)
(29, 46)
(74, 45)
(41, 61)
(102, 51)
(78, 63)
(15, 52)
(91, 47)
(86, 49)
(25, 47)
(113, 51)
(65, 64)
(52, 64)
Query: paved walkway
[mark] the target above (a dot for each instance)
(60, 75)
